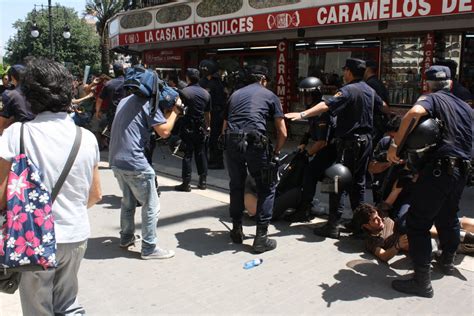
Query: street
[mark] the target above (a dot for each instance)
(306, 274)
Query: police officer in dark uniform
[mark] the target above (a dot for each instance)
(321, 130)
(248, 147)
(193, 130)
(441, 180)
(457, 89)
(15, 106)
(353, 105)
(212, 82)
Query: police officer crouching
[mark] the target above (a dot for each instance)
(353, 105)
(441, 180)
(194, 130)
(248, 147)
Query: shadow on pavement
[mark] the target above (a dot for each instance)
(107, 248)
(113, 201)
(363, 279)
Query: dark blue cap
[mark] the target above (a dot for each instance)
(438, 73)
(192, 73)
(258, 70)
(354, 64)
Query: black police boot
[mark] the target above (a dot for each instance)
(446, 263)
(202, 185)
(419, 285)
(237, 234)
(262, 243)
(184, 187)
(302, 214)
(327, 230)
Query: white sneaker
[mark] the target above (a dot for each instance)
(158, 253)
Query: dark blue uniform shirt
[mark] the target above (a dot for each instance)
(461, 92)
(196, 100)
(15, 105)
(321, 127)
(113, 92)
(250, 107)
(354, 105)
(215, 87)
(456, 140)
(379, 87)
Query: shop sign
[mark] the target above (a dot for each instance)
(340, 13)
(282, 84)
(165, 56)
(427, 58)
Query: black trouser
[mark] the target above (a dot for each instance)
(435, 199)
(255, 159)
(195, 144)
(354, 155)
(215, 154)
(315, 170)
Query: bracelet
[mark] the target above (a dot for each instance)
(302, 114)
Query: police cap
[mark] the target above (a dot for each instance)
(451, 64)
(438, 73)
(355, 65)
(208, 66)
(258, 70)
(192, 73)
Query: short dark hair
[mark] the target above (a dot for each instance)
(47, 85)
(17, 72)
(362, 214)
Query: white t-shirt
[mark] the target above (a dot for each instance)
(48, 140)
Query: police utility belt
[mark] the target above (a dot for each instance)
(243, 140)
(449, 164)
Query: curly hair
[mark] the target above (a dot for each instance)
(47, 85)
(362, 214)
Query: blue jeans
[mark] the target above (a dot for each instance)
(138, 186)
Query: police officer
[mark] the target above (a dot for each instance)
(441, 181)
(15, 106)
(248, 147)
(212, 82)
(457, 89)
(321, 130)
(194, 130)
(353, 105)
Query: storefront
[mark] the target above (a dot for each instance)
(296, 38)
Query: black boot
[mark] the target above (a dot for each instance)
(202, 185)
(446, 263)
(237, 234)
(419, 285)
(302, 214)
(262, 243)
(184, 187)
(327, 230)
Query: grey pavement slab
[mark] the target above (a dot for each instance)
(305, 275)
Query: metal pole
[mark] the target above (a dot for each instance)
(50, 21)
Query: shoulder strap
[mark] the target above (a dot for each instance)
(22, 146)
(68, 165)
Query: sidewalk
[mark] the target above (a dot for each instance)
(305, 275)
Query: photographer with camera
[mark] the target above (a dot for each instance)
(146, 109)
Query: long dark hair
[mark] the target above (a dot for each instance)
(47, 85)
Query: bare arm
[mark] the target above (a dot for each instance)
(98, 106)
(280, 128)
(95, 192)
(387, 254)
(316, 147)
(316, 110)
(5, 122)
(164, 130)
(77, 101)
(4, 171)
(207, 119)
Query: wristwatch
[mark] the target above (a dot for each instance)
(302, 114)
(393, 144)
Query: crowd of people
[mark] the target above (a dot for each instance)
(418, 167)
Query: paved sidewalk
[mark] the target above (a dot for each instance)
(306, 274)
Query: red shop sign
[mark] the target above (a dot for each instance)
(427, 58)
(282, 87)
(163, 57)
(343, 13)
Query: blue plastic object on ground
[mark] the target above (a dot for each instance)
(252, 263)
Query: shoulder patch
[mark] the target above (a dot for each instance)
(338, 94)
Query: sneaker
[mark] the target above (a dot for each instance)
(131, 242)
(158, 253)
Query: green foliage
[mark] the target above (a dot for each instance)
(80, 50)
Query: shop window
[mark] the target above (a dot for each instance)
(173, 14)
(401, 69)
(262, 4)
(208, 8)
(467, 69)
(134, 20)
(448, 46)
(268, 61)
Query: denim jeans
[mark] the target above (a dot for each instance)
(138, 186)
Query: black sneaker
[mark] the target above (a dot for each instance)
(131, 242)
(183, 187)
